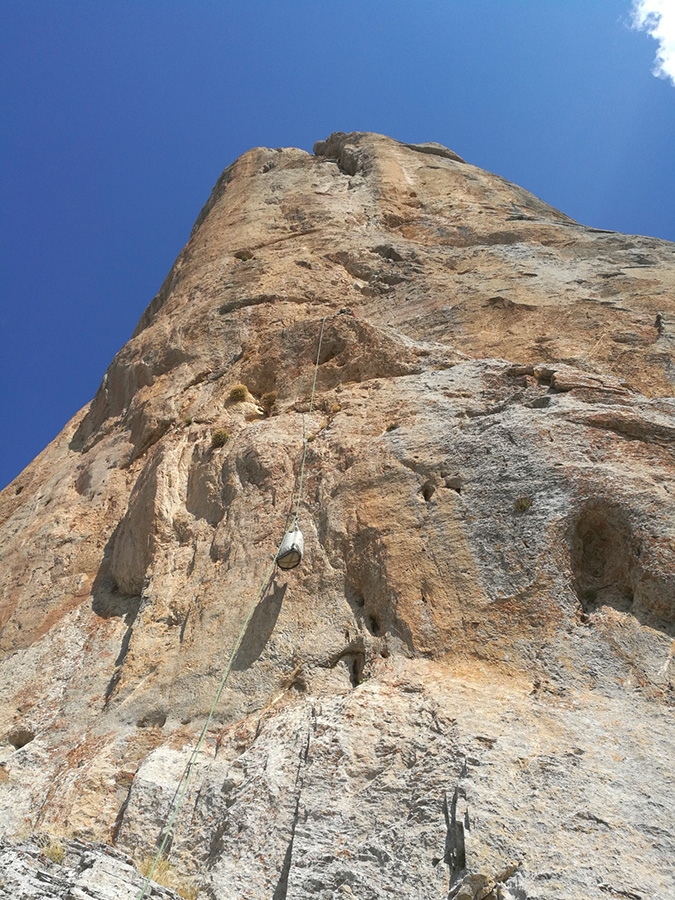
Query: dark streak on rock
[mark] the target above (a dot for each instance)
(281, 890)
(455, 853)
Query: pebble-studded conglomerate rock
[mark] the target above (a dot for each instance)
(466, 689)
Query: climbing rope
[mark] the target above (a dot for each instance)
(182, 787)
(304, 435)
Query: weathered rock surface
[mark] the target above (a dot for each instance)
(47, 869)
(466, 689)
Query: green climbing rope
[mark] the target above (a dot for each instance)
(304, 436)
(182, 787)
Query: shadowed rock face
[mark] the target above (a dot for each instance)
(465, 690)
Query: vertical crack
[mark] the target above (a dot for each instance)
(304, 752)
(455, 851)
(119, 819)
(281, 889)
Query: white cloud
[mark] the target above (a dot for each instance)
(657, 17)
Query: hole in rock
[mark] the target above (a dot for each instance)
(369, 589)
(386, 251)
(427, 490)
(354, 597)
(355, 664)
(155, 718)
(20, 737)
(601, 558)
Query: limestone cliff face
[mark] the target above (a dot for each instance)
(466, 689)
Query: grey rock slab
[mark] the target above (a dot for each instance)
(87, 871)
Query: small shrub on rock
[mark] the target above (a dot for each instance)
(238, 393)
(268, 401)
(522, 504)
(219, 438)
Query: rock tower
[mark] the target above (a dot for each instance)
(465, 690)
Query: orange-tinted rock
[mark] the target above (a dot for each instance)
(466, 683)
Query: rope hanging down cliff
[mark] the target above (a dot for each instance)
(304, 435)
(182, 787)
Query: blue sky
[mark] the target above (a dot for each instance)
(117, 116)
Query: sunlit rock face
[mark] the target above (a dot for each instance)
(465, 689)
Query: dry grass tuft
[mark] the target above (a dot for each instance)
(55, 851)
(219, 437)
(166, 875)
(239, 393)
(294, 678)
(330, 405)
